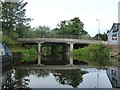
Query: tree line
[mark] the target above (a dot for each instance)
(15, 24)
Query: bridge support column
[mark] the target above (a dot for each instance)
(39, 53)
(71, 48)
(70, 45)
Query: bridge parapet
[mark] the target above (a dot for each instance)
(59, 40)
(57, 36)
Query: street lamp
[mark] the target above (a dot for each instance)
(98, 20)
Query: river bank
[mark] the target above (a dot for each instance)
(114, 52)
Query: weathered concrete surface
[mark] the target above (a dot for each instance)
(58, 40)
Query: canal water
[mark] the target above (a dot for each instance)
(60, 76)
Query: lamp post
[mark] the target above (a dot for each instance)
(98, 20)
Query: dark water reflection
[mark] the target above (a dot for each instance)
(65, 78)
(69, 77)
(82, 77)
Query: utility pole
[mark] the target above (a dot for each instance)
(98, 20)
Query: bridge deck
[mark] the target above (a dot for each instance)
(58, 40)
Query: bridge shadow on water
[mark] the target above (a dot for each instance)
(60, 61)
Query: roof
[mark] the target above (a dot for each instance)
(112, 27)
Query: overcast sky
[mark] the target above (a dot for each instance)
(51, 12)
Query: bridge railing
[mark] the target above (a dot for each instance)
(64, 36)
(58, 36)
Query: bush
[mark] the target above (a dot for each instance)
(29, 55)
(7, 40)
(94, 53)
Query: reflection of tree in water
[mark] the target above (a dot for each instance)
(20, 78)
(69, 77)
(40, 73)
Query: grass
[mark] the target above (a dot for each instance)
(29, 55)
(17, 49)
(94, 54)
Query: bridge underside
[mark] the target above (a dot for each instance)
(65, 50)
(66, 45)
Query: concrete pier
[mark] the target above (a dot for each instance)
(39, 53)
(71, 48)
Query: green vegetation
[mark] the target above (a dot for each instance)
(103, 37)
(17, 49)
(94, 54)
(29, 55)
(8, 40)
(14, 22)
(15, 25)
(71, 27)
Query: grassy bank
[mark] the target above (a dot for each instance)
(95, 54)
(29, 55)
(26, 55)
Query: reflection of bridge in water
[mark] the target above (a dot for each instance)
(66, 43)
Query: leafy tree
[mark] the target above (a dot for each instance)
(103, 37)
(42, 31)
(71, 27)
(14, 19)
(7, 40)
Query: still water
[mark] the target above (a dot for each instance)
(65, 78)
(62, 77)
(85, 78)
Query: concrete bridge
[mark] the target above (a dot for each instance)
(67, 44)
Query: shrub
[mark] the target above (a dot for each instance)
(29, 55)
(7, 40)
(94, 53)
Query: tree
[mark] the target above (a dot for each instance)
(103, 37)
(71, 27)
(14, 19)
(42, 31)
